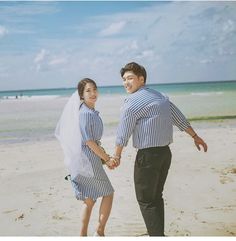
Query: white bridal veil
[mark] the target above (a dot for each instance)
(69, 135)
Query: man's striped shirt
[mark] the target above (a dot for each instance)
(149, 116)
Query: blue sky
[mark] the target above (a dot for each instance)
(55, 44)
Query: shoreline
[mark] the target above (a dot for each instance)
(212, 118)
(10, 137)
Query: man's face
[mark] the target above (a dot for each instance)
(132, 82)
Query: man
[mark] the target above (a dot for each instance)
(149, 117)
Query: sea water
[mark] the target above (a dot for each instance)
(25, 116)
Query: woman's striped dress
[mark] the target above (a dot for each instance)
(99, 185)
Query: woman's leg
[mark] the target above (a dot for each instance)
(85, 215)
(104, 212)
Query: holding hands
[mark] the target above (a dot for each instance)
(110, 161)
(113, 162)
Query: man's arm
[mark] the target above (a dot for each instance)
(178, 118)
(198, 141)
(117, 155)
(181, 122)
(124, 131)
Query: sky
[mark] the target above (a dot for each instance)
(55, 44)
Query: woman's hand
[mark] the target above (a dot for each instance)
(116, 160)
(111, 163)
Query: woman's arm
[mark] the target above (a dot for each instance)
(99, 152)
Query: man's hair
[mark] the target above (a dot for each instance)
(82, 84)
(137, 69)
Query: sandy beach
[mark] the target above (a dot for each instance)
(36, 200)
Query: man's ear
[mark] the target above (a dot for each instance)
(142, 79)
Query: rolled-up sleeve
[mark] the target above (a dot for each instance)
(178, 119)
(126, 127)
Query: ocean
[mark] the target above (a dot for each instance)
(197, 88)
(27, 115)
(197, 100)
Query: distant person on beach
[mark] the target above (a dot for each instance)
(149, 117)
(79, 131)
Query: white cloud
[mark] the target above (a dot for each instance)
(229, 26)
(206, 61)
(163, 38)
(40, 56)
(3, 31)
(113, 28)
(146, 54)
(41, 60)
(44, 60)
(134, 45)
(57, 61)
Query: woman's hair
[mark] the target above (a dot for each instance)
(82, 84)
(137, 69)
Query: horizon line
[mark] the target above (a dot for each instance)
(107, 86)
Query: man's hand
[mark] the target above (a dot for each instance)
(116, 159)
(198, 141)
(111, 163)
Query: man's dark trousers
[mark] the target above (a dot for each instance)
(150, 172)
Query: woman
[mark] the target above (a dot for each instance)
(79, 132)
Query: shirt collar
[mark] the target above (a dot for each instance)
(90, 110)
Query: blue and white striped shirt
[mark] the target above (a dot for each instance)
(149, 116)
(91, 125)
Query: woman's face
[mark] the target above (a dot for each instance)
(90, 94)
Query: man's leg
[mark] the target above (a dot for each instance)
(160, 187)
(151, 169)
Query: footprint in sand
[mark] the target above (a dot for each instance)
(228, 170)
(226, 174)
(225, 179)
(186, 232)
(231, 233)
(59, 217)
(20, 217)
(233, 170)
